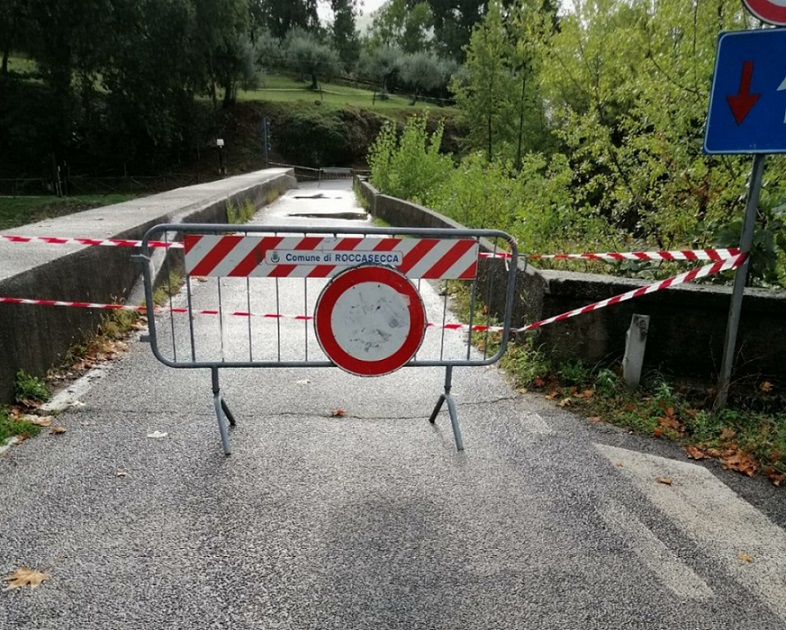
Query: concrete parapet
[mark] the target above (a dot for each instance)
(687, 326)
(36, 338)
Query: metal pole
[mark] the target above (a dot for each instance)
(746, 240)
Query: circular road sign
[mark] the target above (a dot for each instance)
(770, 11)
(370, 320)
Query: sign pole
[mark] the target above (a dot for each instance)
(740, 278)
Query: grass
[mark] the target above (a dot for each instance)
(16, 211)
(10, 427)
(280, 88)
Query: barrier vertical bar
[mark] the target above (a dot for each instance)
(221, 322)
(248, 309)
(169, 293)
(472, 300)
(190, 319)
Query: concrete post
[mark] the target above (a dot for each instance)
(635, 345)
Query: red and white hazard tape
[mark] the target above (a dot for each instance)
(714, 255)
(707, 270)
(688, 276)
(95, 242)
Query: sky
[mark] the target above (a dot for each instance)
(369, 6)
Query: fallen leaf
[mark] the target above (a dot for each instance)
(538, 382)
(744, 557)
(157, 435)
(21, 438)
(594, 419)
(566, 402)
(741, 462)
(78, 404)
(588, 393)
(338, 413)
(58, 430)
(552, 395)
(25, 576)
(670, 422)
(40, 421)
(666, 481)
(657, 432)
(713, 452)
(121, 473)
(694, 452)
(728, 434)
(630, 407)
(31, 404)
(619, 464)
(774, 476)
(766, 387)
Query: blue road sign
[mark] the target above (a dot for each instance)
(748, 97)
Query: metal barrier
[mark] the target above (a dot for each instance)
(251, 299)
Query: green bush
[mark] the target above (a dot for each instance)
(30, 388)
(409, 166)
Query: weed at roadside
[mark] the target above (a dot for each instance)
(29, 389)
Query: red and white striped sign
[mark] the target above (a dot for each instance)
(324, 257)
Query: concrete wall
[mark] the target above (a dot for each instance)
(687, 326)
(36, 338)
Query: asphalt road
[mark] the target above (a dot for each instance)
(370, 520)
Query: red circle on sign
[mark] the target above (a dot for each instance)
(391, 279)
(770, 11)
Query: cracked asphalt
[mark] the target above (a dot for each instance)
(370, 520)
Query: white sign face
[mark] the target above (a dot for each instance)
(337, 258)
(371, 321)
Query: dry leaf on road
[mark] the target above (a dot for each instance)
(58, 430)
(338, 413)
(40, 421)
(741, 462)
(666, 481)
(774, 476)
(694, 452)
(121, 472)
(25, 576)
(157, 435)
(744, 557)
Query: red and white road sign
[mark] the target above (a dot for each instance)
(770, 11)
(370, 320)
(323, 257)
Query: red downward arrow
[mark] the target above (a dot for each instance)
(742, 103)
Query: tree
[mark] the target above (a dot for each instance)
(11, 22)
(454, 21)
(402, 24)
(381, 65)
(344, 34)
(282, 16)
(307, 55)
(421, 72)
(485, 88)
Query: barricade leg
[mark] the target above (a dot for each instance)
(447, 397)
(222, 412)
